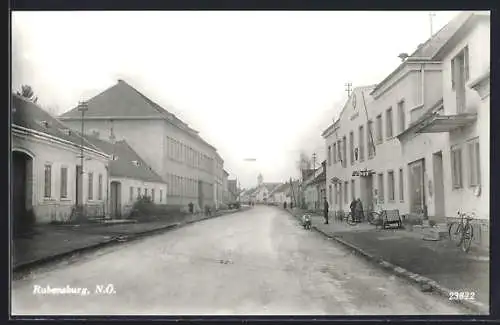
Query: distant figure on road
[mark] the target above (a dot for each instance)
(284, 205)
(291, 205)
(325, 210)
(191, 207)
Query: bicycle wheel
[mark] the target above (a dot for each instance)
(467, 234)
(455, 233)
(373, 217)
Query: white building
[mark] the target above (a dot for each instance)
(130, 177)
(46, 168)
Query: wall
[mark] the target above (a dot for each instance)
(56, 208)
(126, 183)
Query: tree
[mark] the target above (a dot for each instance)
(28, 93)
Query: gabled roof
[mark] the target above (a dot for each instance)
(126, 162)
(31, 116)
(124, 101)
(426, 51)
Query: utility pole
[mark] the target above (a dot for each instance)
(314, 161)
(82, 107)
(431, 14)
(348, 89)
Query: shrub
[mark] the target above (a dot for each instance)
(144, 209)
(432, 223)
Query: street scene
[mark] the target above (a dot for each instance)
(243, 165)
(257, 262)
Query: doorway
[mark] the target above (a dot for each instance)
(116, 190)
(439, 197)
(79, 185)
(22, 192)
(417, 189)
(366, 185)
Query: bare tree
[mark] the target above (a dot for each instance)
(28, 93)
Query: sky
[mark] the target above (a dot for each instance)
(255, 84)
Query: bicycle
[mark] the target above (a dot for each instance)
(461, 233)
(374, 217)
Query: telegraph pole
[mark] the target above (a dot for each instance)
(348, 88)
(314, 161)
(431, 14)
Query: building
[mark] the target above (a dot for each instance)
(261, 192)
(232, 187)
(393, 142)
(46, 168)
(130, 177)
(187, 163)
(225, 188)
(458, 175)
(280, 194)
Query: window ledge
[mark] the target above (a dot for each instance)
(65, 199)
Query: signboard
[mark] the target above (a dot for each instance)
(363, 172)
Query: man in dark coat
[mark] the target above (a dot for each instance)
(325, 210)
(191, 207)
(352, 206)
(284, 204)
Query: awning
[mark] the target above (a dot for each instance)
(445, 123)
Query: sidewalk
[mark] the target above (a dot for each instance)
(440, 260)
(56, 241)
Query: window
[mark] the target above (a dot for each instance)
(361, 143)
(379, 129)
(335, 153)
(340, 193)
(369, 138)
(346, 191)
(388, 118)
(153, 194)
(474, 163)
(138, 192)
(64, 182)
(351, 144)
(353, 190)
(48, 179)
(381, 188)
(91, 186)
(99, 189)
(131, 194)
(344, 151)
(161, 195)
(390, 180)
(456, 167)
(329, 155)
(336, 194)
(401, 116)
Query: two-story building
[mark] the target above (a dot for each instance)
(47, 176)
(459, 174)
(174, 150)
(374, 150)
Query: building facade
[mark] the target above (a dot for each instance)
(419, 133)
(46, 168)
(130, 178)
(185, 161)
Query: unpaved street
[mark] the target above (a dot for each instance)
(254, 262)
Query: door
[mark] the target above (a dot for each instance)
(200, 194)
(416, 183)
(439, 198)
(115, 199)
(79, 185)
(366, 183)
(21, 179)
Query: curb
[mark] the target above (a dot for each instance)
(415, 278)
(28, 266)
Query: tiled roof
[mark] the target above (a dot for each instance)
(29, 115)
(428, 49)
(123, 100)
(126, 162)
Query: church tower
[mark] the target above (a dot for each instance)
(260, 179)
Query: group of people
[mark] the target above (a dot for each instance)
(356, 207)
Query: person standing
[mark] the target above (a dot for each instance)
(352, 206)
(325, 210)
(359, 210)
